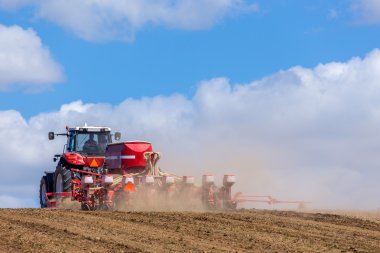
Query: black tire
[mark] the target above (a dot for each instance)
(63, 175)
(43, 191)
(84, 206)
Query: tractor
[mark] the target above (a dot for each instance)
(84, 151)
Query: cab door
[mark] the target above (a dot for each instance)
(70, 146)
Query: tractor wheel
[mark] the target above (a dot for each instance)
(43, 191)
(62, 180)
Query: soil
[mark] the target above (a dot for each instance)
(57, 230)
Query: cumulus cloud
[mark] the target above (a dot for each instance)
(25, 61)
(114, 19)
(302, 133)
(367, 11)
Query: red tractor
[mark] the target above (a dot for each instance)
(103, 175)
(84, 151)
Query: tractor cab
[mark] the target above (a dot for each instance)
(87, 140)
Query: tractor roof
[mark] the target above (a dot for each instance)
(86, 128)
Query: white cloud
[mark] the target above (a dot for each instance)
(114, 19)
(367, 11)
(25, 61)
(299, 134)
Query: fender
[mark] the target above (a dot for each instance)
(73, 158)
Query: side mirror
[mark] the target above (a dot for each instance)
(117, 136)
(51, 135)
(56, 157)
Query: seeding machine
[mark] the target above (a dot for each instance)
(102, 175)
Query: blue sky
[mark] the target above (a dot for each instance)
(161, 60)
(284, 94)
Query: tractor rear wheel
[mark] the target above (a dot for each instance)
(62, 179)
(43, 191)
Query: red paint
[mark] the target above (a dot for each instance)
(73, 158)
(99, 160)
(127, 155)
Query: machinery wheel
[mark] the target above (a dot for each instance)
(62, 179)
(84, 206)
(43, 190)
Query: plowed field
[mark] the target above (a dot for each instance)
(44, 230)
